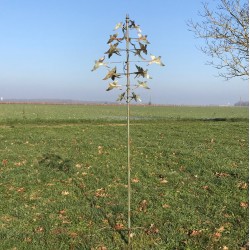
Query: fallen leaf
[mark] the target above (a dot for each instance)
(152, 229)
(18, 164)
(28, 239)
(242, 185)
(143, 206)
(102, 248)
(221, 174)
(217, 235)
(20, 190)
(182, 168)
(234, 165)
(78, 165)
(131, 235)
(221, 229)
(194, 233)
(163, 181)
(101, 193)
(166, 206)
(59, 231)
(39, 229)
(62, 212)
(4, 162)
(65, 193)
(66, 222)
(244, 204)
(100, 150)
(119, 226)
(135, 180)
(73, 235)
(50, 184)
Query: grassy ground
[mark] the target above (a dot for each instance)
(63, 182)
(77, 113)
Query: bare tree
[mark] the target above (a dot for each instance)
(226, 34)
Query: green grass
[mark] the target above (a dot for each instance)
(64, 180)
(78, 113)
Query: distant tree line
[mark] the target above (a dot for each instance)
(241, 103)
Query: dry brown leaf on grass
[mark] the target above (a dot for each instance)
(73, 234)
(143, 206)
(194, 233)
(221, 174)
(39, 229)
(65, 193)
(28, 239)
(135, 180)
(152, 230)
(244, 204)
(217, 235)
(21, 190)
(102, 248)
(20, 163)
(242, 185)
(100, 150)
(101, 193)
(166, 206)
(78, 165)
(205, 187)
(220, 229)
(62, 212)
(4, 162)
(119, 226)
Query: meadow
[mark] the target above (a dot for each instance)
(64, 177)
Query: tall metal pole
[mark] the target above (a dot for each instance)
(128, 118)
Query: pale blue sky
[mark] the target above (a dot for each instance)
(48, 48)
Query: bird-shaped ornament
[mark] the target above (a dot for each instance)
(143, 48)
(121, 97)
(134, 26)
(142, 38)
(141, 72)
(142, 85)
(113, 85)
(113, 49)
(118, 26)
(156, 60)
(135, 97)
(115, 38)
(137, 52)
(99, 63)
(112, 74)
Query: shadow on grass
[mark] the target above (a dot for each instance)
(55, 162)
(101, 212)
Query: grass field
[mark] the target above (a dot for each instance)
(63, 177)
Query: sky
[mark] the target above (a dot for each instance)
(48, 48)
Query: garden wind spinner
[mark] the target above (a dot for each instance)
(136, 47)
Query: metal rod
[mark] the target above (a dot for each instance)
(128, 118)
(130, 61)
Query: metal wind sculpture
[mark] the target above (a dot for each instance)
(135, 47)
